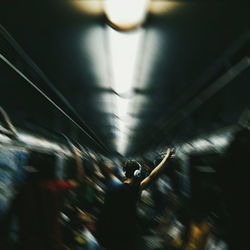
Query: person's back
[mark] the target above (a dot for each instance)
(118, 220)
(233, 176)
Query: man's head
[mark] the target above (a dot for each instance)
(130, 167)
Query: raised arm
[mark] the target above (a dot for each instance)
(148, 180)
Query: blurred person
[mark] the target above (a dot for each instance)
(78, 228)
(117, 225)
(170, 227)
(233, 175)
(84, 236)
(161, 192)
(69, 220)
(145, 210)
(199, 232)
(38, 203)
(86, 194)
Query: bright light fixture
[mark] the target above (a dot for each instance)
(126, 14)
(124, 49)
(122, 106)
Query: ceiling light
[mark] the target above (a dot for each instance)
(124, 49)
(126, 14)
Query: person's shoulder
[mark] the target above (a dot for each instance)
(134, 186)
(114, 182)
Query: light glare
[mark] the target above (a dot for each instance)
(124, 51)
(124, 48)
(126, 14)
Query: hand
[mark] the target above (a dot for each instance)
(172, 153)
(168, 153)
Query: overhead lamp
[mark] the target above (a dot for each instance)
(126, 14)
(124, 50)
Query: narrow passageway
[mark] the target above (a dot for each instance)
(124, 124)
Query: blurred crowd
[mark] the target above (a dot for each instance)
(49, 207)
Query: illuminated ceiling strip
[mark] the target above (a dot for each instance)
(124, 50)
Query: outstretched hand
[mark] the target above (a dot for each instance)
(168, 153)
(172, 153)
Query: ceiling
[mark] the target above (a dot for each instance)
(178, 89)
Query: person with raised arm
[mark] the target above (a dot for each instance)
(117, 225)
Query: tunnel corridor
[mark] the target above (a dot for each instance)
(124, 124)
